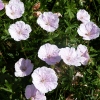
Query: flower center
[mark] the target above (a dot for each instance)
(19, 32)
(32, 98)
(23, 68)
(68, 58)
(42, 80)
(47, 23)
(88, 34)
(48, 56)
(81, 17)
(12, 13)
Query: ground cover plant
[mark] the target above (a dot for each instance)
(49, 50)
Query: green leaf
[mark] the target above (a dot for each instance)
(4, 69)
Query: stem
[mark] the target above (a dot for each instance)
(95, 5)
(23, 49)
(5, 89)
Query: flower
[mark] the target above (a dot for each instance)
(1, 5)
(33, 93)
(48, 21)
(14, 9)
(69, 56)
(83, 55)
(49, 53)
(83, 16)
(44, 79)
(89, 31)
(23, 67)
(19, 31)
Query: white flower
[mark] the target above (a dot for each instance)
(23, 67)
(89, 31)
(19, 31)
(83, 16)
(33, 93)
(14, 9)
(83, 55)
(44, 79)
(49, 53)
(48, 21)
(69, 56)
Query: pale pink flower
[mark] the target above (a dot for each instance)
(1, 5)
(89, 31)
(23, 67)
(14, 9)
(49, 53)
(33, 93)
(48, 21)
(69, 56)
(83, 54)
(83, 16)
(44, 79)
(19, 31)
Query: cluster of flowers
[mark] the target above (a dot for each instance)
(42, 81)
(20, 31)
(51, 54)
(45, 79)
(15, 9)
(88, 30)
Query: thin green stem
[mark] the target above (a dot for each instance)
(5, 89)
(95, 5)
(3, 57)
(23, 49)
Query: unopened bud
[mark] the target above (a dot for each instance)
(58, 14)
(36, 6)
(37, 13)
